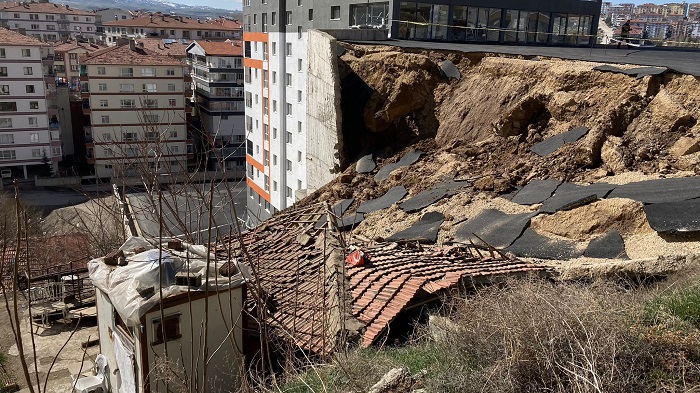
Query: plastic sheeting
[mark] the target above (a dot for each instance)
(129, 287)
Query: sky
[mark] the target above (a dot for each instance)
(225, 4)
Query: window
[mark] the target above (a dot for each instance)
(28, 71)
(101, 71)
(274, 48)
(274, 106)
(289, 109)
(5, 122)
(34, 137)
(104, 119)
(149, 87)
(55, 151)
(102, 87)
(266, 158)
(150, 103)
(36, 153)
(274, 133)
(36, 27)
(264, 23)
(126, 87)
(289, 192)
(173, 134)
(298, 95)
(273, 19)
(288, 79)
(289, 17)
(311, 14)
(107, 137)
(335, 12)
(33, 104)
(175, 149)
(299, 127)
(289, 49)
(3, 71)
(299, 65)
(151, 136)
(171, 87)
(299, 32)
(8, 107)
(2, 53)
(274, 186)
(4, 90)
(172, 32)
(104, 103)
(151, 118)
(50, 27)
(109, 152)
(33, 121)
(298, 157)
(274, 159)
(129, 136)
(148, 72)
(9, 138)
(26, 53)
(170, 72)
(8, 155)
(128, 103)
(29, 88)
(289, 137)
(172, 102)
(126, 71)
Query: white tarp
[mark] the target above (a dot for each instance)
(125, 284)
(124, 354)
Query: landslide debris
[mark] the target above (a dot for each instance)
(481, 127)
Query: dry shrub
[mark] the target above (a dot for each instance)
(538, 336)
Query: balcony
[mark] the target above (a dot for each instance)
(47, 59)
(55, 135)
(54, 125)
(52, 110)
(86, 107)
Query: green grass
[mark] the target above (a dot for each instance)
(3, 358)
(682, 305)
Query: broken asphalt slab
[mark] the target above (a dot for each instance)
(392, 196)
(350, 221)
(553, 143)
(408, 159)
(424, 231)
(533, 245)
(536, 191)
(674, 218)
(496, 228)
(608, 246)
(365, 164)
(338, 210)
(638, 72)
(659, 190)
(428, 197)
(570, 196)
(450, 70)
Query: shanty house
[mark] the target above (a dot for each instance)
(194, 314)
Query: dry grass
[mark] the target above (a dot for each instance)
(536, 335)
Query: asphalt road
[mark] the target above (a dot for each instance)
(681, 60)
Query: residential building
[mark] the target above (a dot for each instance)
(137, 115)
(29, 131)
(275, 48)
(217, 74)
(194, 321)
(48, 21)
(174, 27)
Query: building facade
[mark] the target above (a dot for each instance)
(217, 75)
(48, 22)
(172, 27)
(134, 101)
(275, 66)
(29, 129)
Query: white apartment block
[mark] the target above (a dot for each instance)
(49, 22)
(172, 27)
(217, 74)
(135, 101)
(29, 134)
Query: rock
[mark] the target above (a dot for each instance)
(449, 69)
(486, 183)
(440, 328)
(688, 162)
(684, 146)
(365, 164)
(345, 178)
(612, 155)
(395, 381)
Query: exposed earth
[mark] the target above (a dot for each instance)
(481, 126)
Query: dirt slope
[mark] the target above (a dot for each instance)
(481, 127)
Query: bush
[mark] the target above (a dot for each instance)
(681, 306)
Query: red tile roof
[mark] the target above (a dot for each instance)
(176, 22)
(69, 46)
(156, 45)
(218, 48)
(123, 55)
(296, 265)
(52, 255)
(46, 8)
(9, 37)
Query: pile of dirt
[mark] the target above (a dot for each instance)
(481, 127)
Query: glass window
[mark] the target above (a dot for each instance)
(510, 26)
(584, 30)
(572, 29)
(335, 12)
(439, 22)
(422, 19)
(559, 29)
(543, 27)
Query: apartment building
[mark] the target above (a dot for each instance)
(275, 49)
(29, 135)
(134, 101)
(158, 25)
(47, 21)
(217, 75)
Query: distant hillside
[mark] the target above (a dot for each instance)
(155, 6)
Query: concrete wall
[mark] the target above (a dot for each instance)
(323, 118)
(358, 34)
(73, 181)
